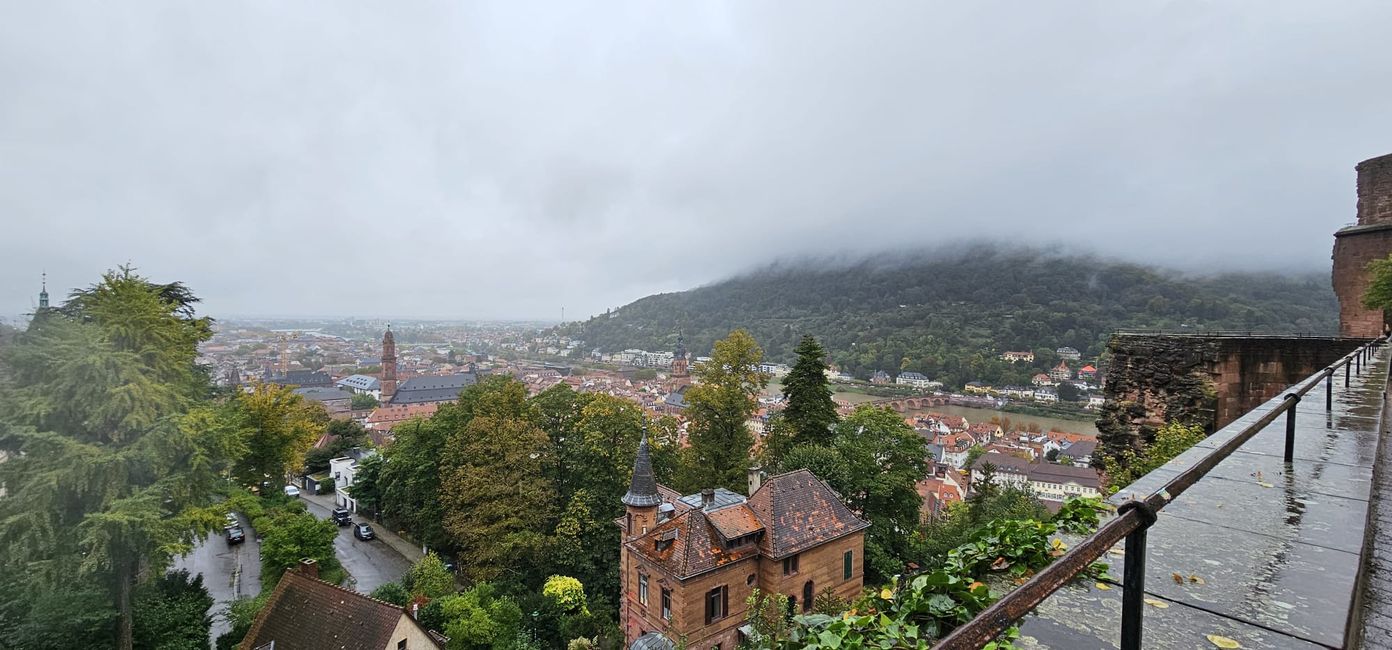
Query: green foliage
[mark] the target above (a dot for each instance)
(719, 407)
(366, 488)
(810, 411)
(875, 462)
(914, 613)
(171, 613)
(281, 426)
(428, 577)
(112, 450)
(645, 374)
(392, 592)
(948, 314)
(289, 535)
(961, 521)
(567, 592)
(767, 615)
(1379, 293)
(497, 502)
(1171, 440)
(363, 401)
(475, 619)
(241, 613)
(973, 453)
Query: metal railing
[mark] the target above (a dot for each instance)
(1133, 519)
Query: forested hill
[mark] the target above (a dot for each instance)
(948, 315)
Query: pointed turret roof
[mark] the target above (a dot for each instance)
(642, 491)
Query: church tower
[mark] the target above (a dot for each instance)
(43, 292)
(388, 365)
(681, 368)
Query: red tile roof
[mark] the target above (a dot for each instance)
(307, 613)
(799, 512)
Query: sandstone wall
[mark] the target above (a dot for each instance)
(1204, 380)
(1357, 245)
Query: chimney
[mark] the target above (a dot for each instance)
(309, 567)
(756, 479)
(707, 498)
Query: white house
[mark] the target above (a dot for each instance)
(343, 470)
(915, 379)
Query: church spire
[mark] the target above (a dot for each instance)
(388, 366)
(642, 491)
(43, 291)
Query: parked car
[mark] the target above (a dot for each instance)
(232, 519)
(234, 535)
(292, 491)
(341, 516)
(363, 532)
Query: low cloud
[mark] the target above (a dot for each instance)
(507, 160)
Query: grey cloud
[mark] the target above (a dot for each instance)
(508, 159)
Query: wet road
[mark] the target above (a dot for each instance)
(229, 572)
(369, 564)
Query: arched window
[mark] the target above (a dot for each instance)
(807, 597)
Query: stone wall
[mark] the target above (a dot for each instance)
(1204, 380)
(1359, 244)
(1375, 190)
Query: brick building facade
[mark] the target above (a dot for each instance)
(1356, 245)
(690, 562)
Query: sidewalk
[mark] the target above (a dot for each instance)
(410, 551)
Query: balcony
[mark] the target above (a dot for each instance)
(1273, 532)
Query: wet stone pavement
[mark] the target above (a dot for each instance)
(1267, 555)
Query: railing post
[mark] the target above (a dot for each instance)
(1329, 390)
(1290, 426)
(1346, 372)
(1133, 576)
(1358, 363)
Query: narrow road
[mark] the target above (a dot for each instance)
(229, 572)
(369, 564)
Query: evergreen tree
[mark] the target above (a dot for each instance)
(111, 458)
(810, 411)
(719, 407)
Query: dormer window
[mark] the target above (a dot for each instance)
(664, 541)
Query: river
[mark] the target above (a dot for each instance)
(1045, 423)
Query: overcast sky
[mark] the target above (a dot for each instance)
(457, 159)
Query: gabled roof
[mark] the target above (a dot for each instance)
(694, 547)
(799, 511)
(417, 390)
(307, 613)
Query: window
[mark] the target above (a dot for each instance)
(401, 645)
(667, 604)
(750, 580)
(847, 565)
(717, 603)
(807, 597)
(629, 520)
(790, 565)
(643, 590)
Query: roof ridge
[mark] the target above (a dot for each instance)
(347, 590)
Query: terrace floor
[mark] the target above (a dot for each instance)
(1256, 552)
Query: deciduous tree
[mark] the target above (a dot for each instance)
(719, 407)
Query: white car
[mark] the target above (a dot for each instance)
(292, 491)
